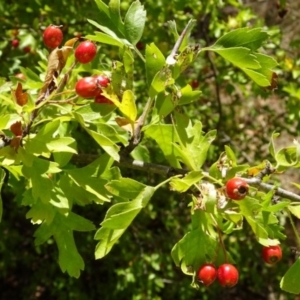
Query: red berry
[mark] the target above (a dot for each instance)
(272, 254)
(27, 49)
(85, 52)
(194, 84)
(228, 275)
(102, 80)
(140, 46)
(237, 188)
(87, 87)
(102, 100)
(15, 43)
(52, 36)
(207, 274)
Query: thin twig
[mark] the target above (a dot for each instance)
(171, 58)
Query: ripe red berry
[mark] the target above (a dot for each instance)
(15, 43)
(87, 87)
(237, 188)
(102, 80)
(52, 36)
(27, 49)
(102, 99)
(207, 274)
(194, 83)
(85, 52)
(228, 275)
(272, 254)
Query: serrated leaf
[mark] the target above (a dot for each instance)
(164, 135)
(126, 188)
(40, 212)
(243, 37)
(78, 223)
(108, 146)
(290, 280)
(183, 184)
(118, 218)
(239, 48)
(134, 22)
(188, 95)
(69, 259)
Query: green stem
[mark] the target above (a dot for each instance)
(139, 54)
(294, 228)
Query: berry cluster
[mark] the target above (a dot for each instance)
(228, 275)
(87, 87)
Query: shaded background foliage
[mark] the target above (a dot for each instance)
(140, 265)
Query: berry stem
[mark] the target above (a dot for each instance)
(220, 238)
(139, 54)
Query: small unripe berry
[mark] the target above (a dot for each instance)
(237, 188)
(207, 274)
(85, 52)
(272, 254)
(52, 36)
(228, 275)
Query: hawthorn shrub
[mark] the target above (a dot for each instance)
(66, 154)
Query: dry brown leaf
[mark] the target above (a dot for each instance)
(20, 97)
(56, 62)
(16, 128)
(16, 142)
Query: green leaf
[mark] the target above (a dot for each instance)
(164, 135)
(115, 16)
(239, 46)
(188, 95)
(89, 179)
(161, 80)
(184, 60)
(193, 250)
(193, 150)
(2, 177)
(243, 37)
(69, 259)
(118, 218)
(295, 210)
(105, 39)
(271, 145)
(134, 22)
(78, 223)
(155, 61)
(128, 107)
(108, 146)
(183, 184)
(40, 212)
(290, 280)
(126, 188)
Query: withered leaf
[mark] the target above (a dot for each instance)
(20, 97)
(16, 142)
(16, 128)
(56, 62)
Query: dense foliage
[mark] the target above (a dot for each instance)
(191, 100)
